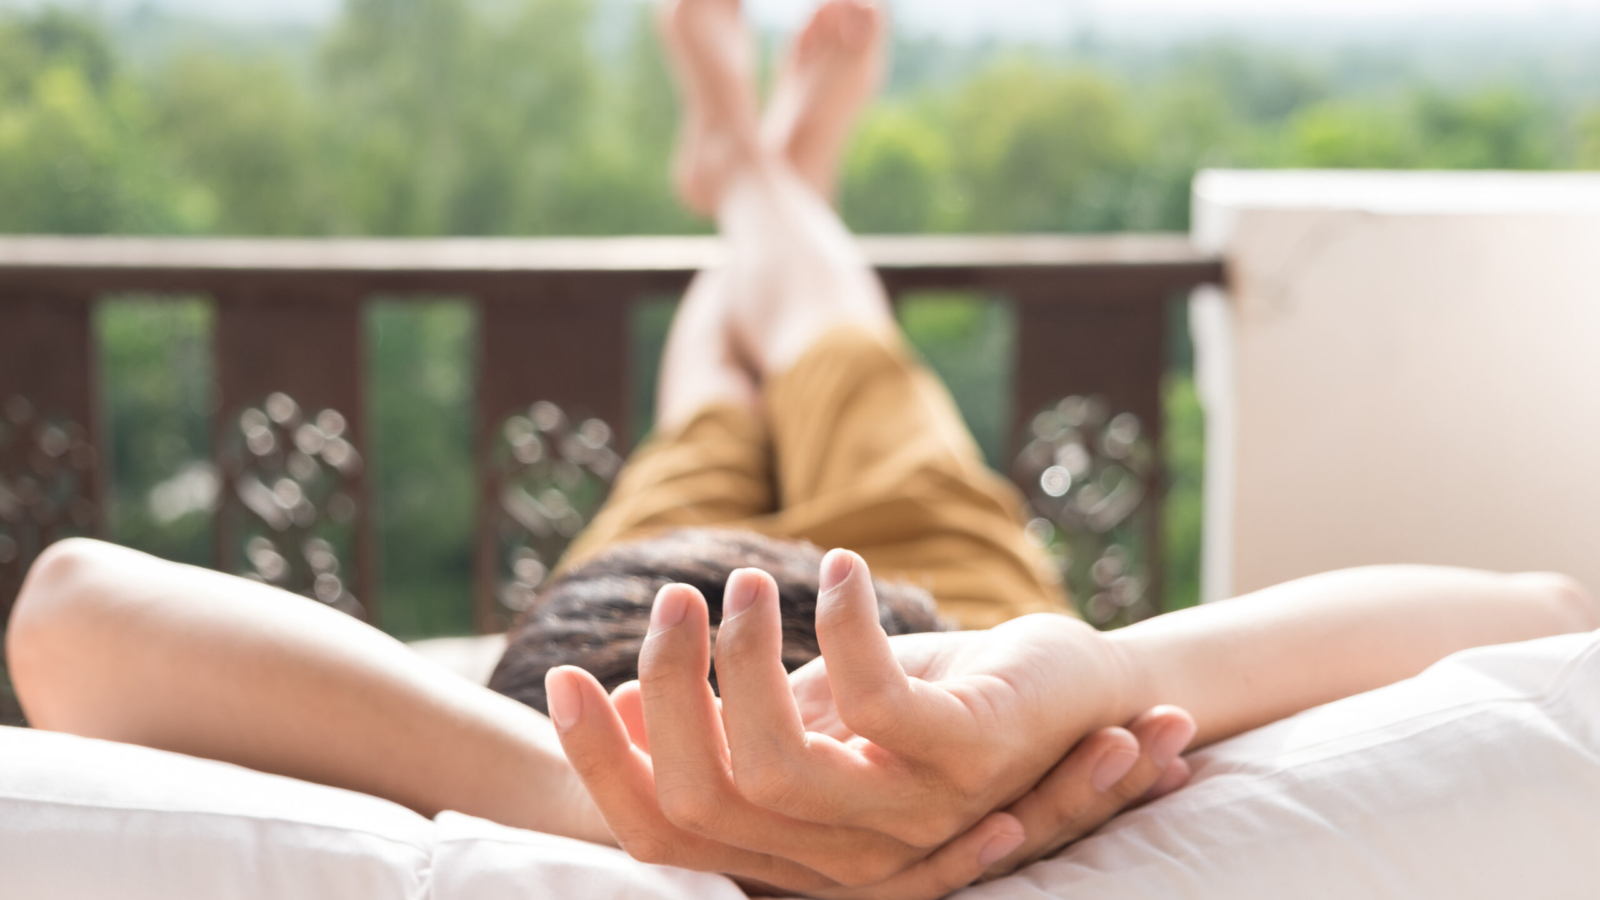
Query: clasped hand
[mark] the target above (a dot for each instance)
(901, 767)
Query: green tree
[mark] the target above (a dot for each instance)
(896, 177)
(244, 132)
(422, 414)
(1040, 149)
(74, 147)
(157, 401)
(1352, 134)
(1495, 128)
(459, 118)
(1587, 155)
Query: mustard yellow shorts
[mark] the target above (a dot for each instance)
(860, 446)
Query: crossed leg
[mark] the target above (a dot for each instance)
(863, 448)
(828, 75)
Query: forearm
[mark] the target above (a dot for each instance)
(114, 644)
(1245, 662)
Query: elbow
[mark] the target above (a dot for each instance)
(54, 584)
(1569, 605)
(49, 610)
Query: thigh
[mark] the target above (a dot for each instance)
(716, 469)
(871, 453)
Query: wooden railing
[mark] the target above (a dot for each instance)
(291, 435)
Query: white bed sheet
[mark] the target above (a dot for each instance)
(1480, 778)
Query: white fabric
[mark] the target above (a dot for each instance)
(473, 658)
(1478, 779)
(83, 819)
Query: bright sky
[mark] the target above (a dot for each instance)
(1050, 18)
(1036, 19)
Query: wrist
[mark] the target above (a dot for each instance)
(550, 796)
(561, 805)
(1094, 672)
(1134, 674)
(584, 821)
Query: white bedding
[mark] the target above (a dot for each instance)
(1480, 778)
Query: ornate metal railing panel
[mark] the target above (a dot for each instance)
(1093, 482)
(290, 436)
(549, 476)
(47, 477)
(290, 471)
(46, 482)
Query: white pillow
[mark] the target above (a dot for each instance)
(1480, 778)
(96, 820)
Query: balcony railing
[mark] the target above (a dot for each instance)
(552, 389)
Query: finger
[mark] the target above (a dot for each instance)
(956, 864)
(681, 720)
(1170, 726)
(596, 743)
(1075, 797)
(1108, 771)
(775, 764)
(1167, 731)
(766, 738)
(1176, 776)
(874, 696)
(629, 705)
(618, 779)
(694, 787)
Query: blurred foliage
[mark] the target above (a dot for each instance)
(420, 401)
(970, 342)
(158, 404)
(511, 117)
(1185, 451)
(490, 117)
(10, 709)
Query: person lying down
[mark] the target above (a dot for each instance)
(856, 749)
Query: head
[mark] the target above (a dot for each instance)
(596, 615)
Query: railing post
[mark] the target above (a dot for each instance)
(1113, 349)
(290, 439)
(52, 481)
(560, 341)
(52, 466)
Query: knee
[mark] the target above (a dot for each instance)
(1567, 600)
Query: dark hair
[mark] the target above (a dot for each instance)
(596, 615)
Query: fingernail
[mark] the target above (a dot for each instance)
(1112, 768)
(836, 567)
(565, 702)
(999, 847)
(1166, 746)
(669, 608)
(739, 594)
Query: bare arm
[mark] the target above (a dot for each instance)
(1245, 662)
(110, 643)
(936, 730)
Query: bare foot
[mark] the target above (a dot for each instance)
(711, 49)
(830, 73)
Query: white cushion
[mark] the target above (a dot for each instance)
(1480, 778)
(95, 820)
(473, 658)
